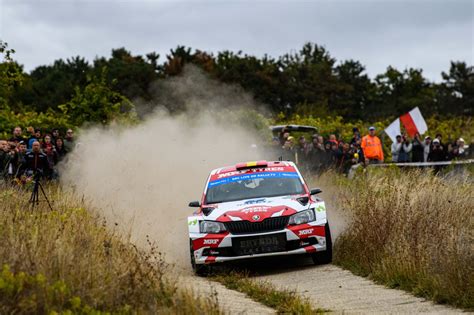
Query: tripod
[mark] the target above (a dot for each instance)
(34, 199)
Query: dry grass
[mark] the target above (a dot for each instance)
(410, 230)
(283, 301)
(68, 260)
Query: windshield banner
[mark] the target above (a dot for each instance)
(252, 176)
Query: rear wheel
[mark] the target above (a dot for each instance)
(324, 257)
(199, 269)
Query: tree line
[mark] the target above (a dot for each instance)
(307, 82)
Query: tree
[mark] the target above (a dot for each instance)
(11, 74)
(129, 75)
(54, 84)
(399, 92)
(98, 103)
(355, 94)
(456, 92)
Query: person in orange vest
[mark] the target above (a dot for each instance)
(372, 147)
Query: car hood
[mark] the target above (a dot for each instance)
(256, 210)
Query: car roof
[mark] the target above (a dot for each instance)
(301, 128)
(290, 166)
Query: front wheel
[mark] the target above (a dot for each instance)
(324, 257)
(199, 269)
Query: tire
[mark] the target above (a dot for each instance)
(198, 269)
(325, 257)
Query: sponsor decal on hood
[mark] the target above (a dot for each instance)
(256, 210)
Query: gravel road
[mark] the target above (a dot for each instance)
(338, 290)
(230, 301)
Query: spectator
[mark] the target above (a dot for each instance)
(355, 136)
(17, 137)
(36, 161)
(35, 137)
(69, 141)
(426, 148)
(418, 149)
(316, 153)
(303, 148)
(396, 148)
(404, 155)
(20, 162)
(54, 135)
(288, 150)
(463, 149)
(358, 153)
(372, 147)
(31, 138)
(61, 151)
(50, 151)
(437, 152)
(345, 157)
(9, 167)
(284, 134)
(445, 147)
(4, 159)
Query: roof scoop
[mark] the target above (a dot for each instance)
(249, 165)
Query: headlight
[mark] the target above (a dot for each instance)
(212, 227)
(302, 217)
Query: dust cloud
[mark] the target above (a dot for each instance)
(143, 177)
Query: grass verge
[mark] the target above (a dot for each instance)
(410, 230)
(69, 261)
(283, 301)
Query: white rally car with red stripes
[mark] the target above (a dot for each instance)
(257, 209)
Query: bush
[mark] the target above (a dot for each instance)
(410, 230)
(68, 260)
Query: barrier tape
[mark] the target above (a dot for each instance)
(414, 164)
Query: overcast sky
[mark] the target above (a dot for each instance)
(425, 34)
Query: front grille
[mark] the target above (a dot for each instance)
(267, 225)
(251, 245)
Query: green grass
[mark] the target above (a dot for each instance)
(283, 301)
(70, 261)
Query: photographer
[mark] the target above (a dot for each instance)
(36, 161)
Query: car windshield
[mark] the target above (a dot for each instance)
(248, 186)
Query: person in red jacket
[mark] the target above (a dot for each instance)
(372, 147)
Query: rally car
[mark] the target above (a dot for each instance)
(257, 209)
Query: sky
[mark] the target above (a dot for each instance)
(425, 34)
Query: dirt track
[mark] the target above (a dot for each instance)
(338, 290)
(328, 287)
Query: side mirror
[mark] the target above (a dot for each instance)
(315, 191)
(194, 204)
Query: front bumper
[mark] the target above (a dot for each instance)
(293, 240)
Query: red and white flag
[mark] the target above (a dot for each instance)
(414, 122)
(393, 130)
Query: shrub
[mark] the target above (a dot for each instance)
(68, 259)
(410, 230)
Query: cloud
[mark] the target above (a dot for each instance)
(421, 34)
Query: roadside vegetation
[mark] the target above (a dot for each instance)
(283, 301)
(410, 230)
(68, 260)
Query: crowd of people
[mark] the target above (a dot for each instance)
(320, 153)
(38, 153)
